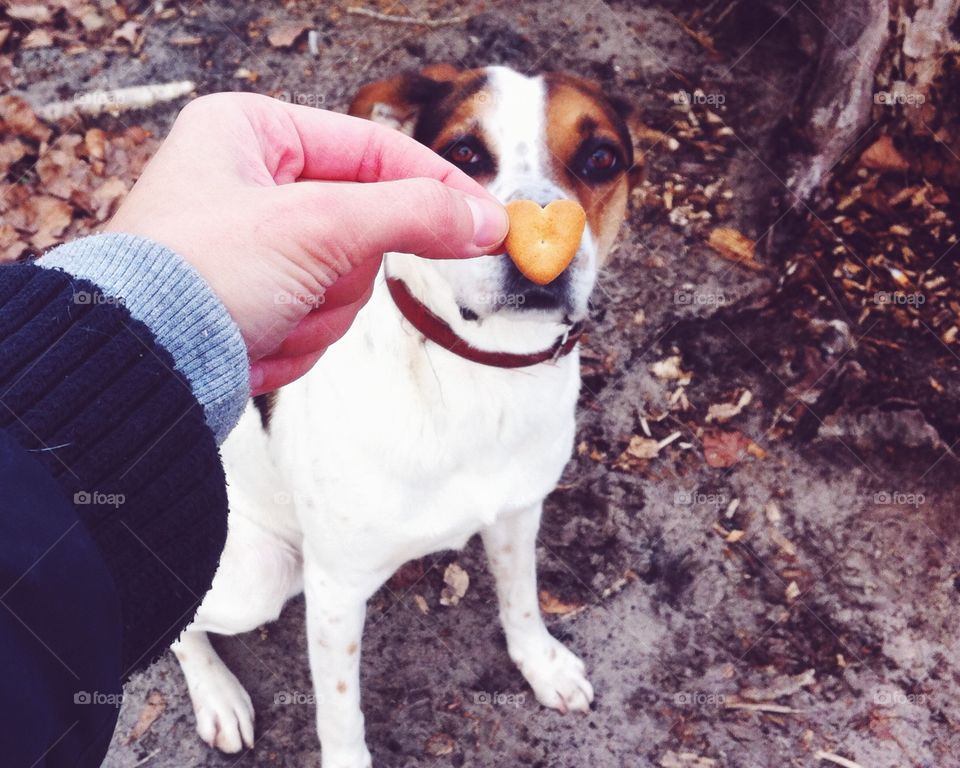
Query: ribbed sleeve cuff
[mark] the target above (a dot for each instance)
(167, 295)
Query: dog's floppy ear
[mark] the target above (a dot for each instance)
(397, 102)
(628, 115)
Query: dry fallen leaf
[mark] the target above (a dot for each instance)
(440, 744)
(12, 245)
(456, 581)
(17, 117)
(38, 38)
(882, 155)
(734, 246)
(34, 13)
(285, 35)
(61, 172)
(11, 151)
(407, 575)
(152, 709)
(724, 449)
(554, 606)
(95, 143)
(106, 197)
(47, 219)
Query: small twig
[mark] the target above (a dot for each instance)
(836, 759)
(777, 709)
(116, 100)
(147, 758)
(389, 17)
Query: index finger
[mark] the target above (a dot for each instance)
(366, 151)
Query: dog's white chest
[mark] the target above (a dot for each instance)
(394, 450)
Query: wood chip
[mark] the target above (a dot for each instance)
(669, 369)
(723, 412)
(642, 447)
(772, 510)
(456, 581)
(673, 759)
(786, 546)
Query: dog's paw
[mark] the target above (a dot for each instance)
(557, 676)
(223, 709)
(356, 757)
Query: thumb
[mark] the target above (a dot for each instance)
(421, 216)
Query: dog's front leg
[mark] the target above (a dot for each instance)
(555, 673)
(335, 616)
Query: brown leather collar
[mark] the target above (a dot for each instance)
(439, 332)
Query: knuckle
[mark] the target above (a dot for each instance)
(436, 201)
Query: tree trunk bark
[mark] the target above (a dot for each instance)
(882, 65)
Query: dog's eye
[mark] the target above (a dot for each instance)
(599, 161)
(463, 154)
(468, 155)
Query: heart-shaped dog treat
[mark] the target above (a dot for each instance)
(543, 241)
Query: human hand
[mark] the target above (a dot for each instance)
(294, 262)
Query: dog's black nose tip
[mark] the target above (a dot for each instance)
(530, 295)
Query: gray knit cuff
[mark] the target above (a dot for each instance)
(167, 295)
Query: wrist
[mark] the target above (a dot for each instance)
(166, 294)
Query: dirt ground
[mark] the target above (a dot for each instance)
(742, 598)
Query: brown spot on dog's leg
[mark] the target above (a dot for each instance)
(341, 686)
(352, 648)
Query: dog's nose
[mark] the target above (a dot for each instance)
(526, 294)
(542, 194)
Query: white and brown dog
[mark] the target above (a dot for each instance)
(446, 410)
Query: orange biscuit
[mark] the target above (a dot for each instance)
(543, 241)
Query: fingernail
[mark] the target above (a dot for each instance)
(489, 221)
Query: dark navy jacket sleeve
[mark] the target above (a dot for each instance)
(60, 627)
(112, 512)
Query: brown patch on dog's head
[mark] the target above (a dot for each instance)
(440, 107)
(399, 102)
(591, 150)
